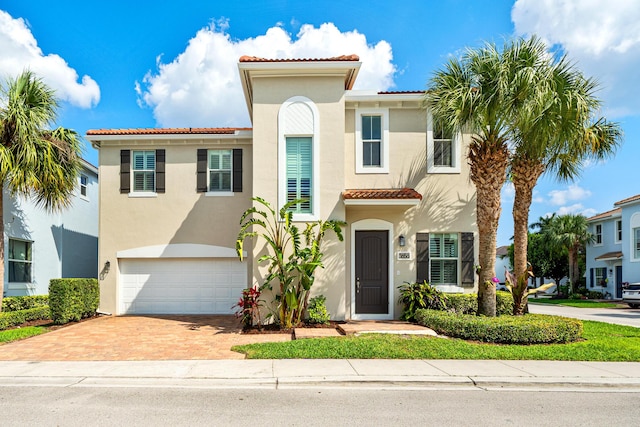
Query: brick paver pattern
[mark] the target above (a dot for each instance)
(139, 338)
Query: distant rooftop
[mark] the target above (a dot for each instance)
(166, 131)
(352, 57)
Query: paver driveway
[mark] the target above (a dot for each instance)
(138, 338)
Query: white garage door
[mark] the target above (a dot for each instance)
(180, 286)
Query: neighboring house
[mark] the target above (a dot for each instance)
(503, 263)
(41, 245)
(171, 199)
(614, 257)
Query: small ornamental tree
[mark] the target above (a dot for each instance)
(292, 265)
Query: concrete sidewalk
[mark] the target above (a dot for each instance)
(354, 373)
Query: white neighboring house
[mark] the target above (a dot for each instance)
(40, 246)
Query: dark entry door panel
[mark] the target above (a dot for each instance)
(372, 272)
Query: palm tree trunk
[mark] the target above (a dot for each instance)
(524, 175)
(488, 160)
(573, 269)
(1, 245)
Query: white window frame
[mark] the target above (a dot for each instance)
(142, 193)
(598, 276)
(597, 234)
(456, 141)
(84, 186)
(209, 170)
(384, 141)
(10, 260)
(618, 231)
(456, 258)
(307, 126)
(634, 225)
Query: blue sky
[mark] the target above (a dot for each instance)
(141, 64)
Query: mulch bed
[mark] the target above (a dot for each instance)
(276, 329)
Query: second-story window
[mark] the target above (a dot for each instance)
(598, 234)
(84, 181)
(144, 163)
(619, 231)
(220, 168)
(371, 140)
(442, 147)
(300, 172)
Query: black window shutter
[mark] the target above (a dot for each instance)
(237, 170)
(591, 277)
(604, 274)
(202, 171)
(125, 174)
(160, 181)
(422, 257)
(466, 247)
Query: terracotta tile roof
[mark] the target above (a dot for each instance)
(610, 255)
(502, 251)
(352, 57)
(400, 92)
(627, 200)
(382, 193)
(165, 131)
(605, 214)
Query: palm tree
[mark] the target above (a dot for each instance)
(554, 132)
(470, 93)
(34, 161)
(570, 231)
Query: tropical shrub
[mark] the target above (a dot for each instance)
(468, 303)
(24, 302)
(527, 329)
(248, 308)
(292, 265)
(317, 310)
(420, 295)
(594, 295)
(520, 291)
(73, 299)
(15, 318)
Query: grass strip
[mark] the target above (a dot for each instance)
(21, 333)
(602, 342)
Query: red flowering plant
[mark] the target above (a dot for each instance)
(248, 308)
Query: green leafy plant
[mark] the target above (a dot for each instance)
(528, 329)
(317, 310)
(16, 318)
(24, 302)
(248, 308)
(468, 303)
(415, 296)
(73, 299)
(520, 291)
(292, 265)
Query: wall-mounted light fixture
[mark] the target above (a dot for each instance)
(105, 270)
(402, 241)
(611, 271)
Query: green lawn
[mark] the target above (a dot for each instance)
(602, 342)
(580, 303)
(21, 333)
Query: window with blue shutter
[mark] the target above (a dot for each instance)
(299, 172)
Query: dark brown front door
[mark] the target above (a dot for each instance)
(372, 272)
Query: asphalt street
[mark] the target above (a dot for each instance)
(621, 316)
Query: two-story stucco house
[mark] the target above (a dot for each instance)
(614, 256)
(41, 245)
(171, 199)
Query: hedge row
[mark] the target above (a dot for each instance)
(468, 303)
(528, 329)
(73, 299)
(15, 318)
(24, 302)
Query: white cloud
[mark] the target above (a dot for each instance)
(20, 51)
(508, 191)
(201, 86)
(571, 194)
(603, 38)
(577, 208)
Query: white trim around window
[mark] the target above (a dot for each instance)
(383, 113)
(455, 152)
(372, 224)
(299, 117)
(617, 228)
(634, 238)
(597, 235)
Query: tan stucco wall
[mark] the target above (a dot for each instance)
(180, 215)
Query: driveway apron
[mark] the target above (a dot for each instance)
(139, 338)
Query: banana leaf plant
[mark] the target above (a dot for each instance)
(291, 265)
(520, 291)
